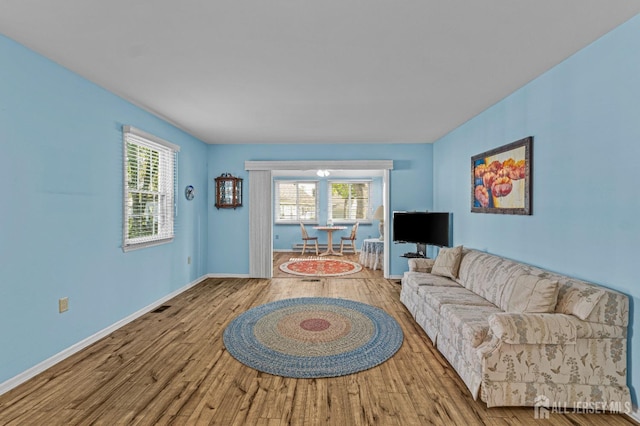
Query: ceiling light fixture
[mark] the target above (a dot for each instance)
(323, 173)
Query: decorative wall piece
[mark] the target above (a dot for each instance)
(501, 179)
(228, 191)
(189, 192)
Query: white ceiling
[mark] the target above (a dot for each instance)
(301, 71)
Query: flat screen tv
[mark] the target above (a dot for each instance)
(432, 228)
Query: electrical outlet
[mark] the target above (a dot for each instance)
(63, 304)
(189, 260)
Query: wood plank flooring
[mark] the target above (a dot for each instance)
(171, 367)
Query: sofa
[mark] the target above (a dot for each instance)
(516, 334)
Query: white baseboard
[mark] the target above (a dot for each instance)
(50, 362)
(635, 414)
(228, 276)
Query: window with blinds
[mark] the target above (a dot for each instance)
(296, 201)
(349, 201)
(149, 189)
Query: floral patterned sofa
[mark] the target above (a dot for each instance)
(515, 333)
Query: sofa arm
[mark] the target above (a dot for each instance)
(421, 264)
(524, 328)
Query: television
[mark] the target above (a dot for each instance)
(431, 228)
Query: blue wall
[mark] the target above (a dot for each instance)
(411, 188)
(287, 235)
(584, 116)
(61, 212)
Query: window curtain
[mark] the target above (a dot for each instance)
(260, 224)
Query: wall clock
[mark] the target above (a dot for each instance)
(189, 192)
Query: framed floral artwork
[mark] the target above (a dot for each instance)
(501, 179)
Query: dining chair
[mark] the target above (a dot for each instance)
(306, 238)
(351, 237)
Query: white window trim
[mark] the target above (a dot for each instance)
(279, 221)
(130, 133)
(367, 220)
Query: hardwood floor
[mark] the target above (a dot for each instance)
(171, 367)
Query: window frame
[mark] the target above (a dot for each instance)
(167, 163)
(368, 219)
(297, 220)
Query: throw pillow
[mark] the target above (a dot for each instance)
(530, 294)
(448, 262)
(421, 265)
(579, 301)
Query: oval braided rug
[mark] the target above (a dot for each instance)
(313, 337)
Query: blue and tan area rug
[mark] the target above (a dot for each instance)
(313, 337)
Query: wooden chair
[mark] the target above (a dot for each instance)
(351, 237)
(306, 238)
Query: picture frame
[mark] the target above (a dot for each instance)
(501, 179)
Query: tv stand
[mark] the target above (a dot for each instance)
(421, 252)
(411, 255)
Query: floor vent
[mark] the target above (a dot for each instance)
(160, 309)
(312, 280)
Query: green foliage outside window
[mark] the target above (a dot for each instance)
(143, 196)
(349, 200)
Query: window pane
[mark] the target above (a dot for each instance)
(288, 197)
(143, 214)
(307, 201)
(296, 200)
(359, 204)
(143, 165)
(349, 200)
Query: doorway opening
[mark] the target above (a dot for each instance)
(261, 205)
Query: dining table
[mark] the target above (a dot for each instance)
(329, 229)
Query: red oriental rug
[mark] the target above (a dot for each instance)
(320, 267)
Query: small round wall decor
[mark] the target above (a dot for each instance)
(189, 192)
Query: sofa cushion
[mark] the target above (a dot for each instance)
(435, 297)
(488, 275)
(530, 293)
(420, 264)
(611, 308)
(579, 300)
(594, 330)
(461, 325)
(420, 278)
(447, 262)
(535, 329)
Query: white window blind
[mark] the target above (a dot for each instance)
(149, 189)
(349, 201)
(296, 201)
